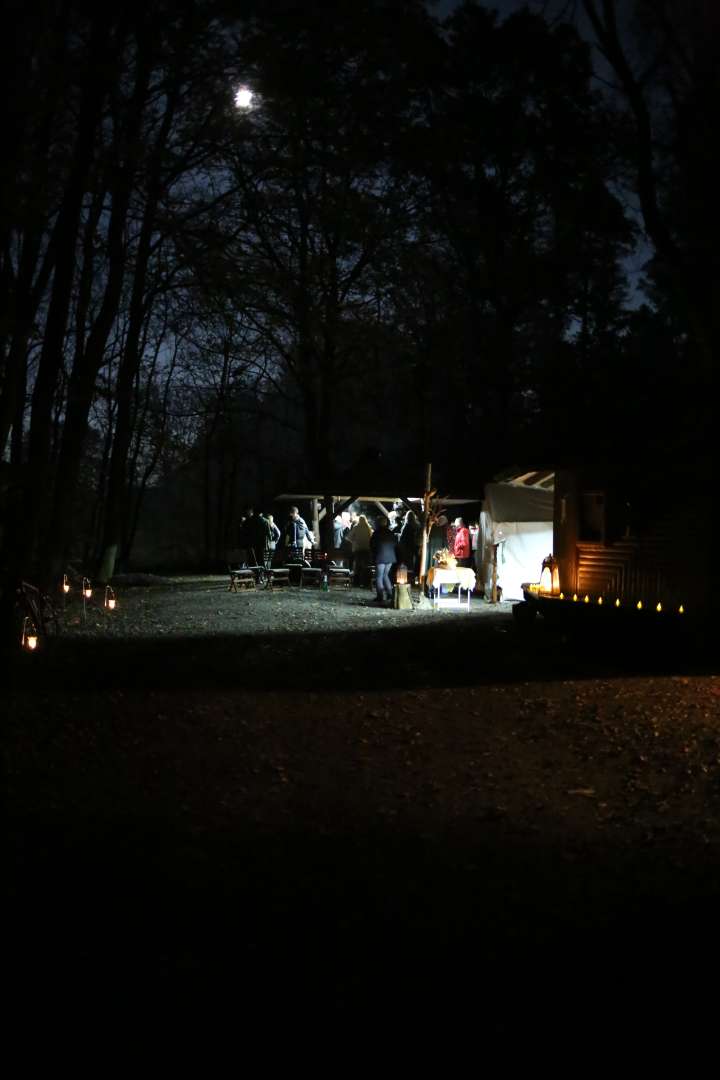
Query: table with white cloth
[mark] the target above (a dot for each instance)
(462, 576)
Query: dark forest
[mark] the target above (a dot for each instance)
(426, 239)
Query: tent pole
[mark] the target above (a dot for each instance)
(426, 528)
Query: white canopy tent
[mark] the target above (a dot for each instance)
(517, 515)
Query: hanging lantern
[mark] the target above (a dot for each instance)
(110, 600)
(401, 575)
(29, 639)
(87, 588)
(65, 584)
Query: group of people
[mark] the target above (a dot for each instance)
(260, 538)
(459, 539)
(395, 541)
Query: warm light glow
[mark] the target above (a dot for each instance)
(243, 98)
(681, 610)
(587, 599)
(87, 588)
(574, 596)
(401, 575)
(562, 596)
(65, 584)
(87, 593)
(111, 603)
(639, 605)
(659, 607)
(600, 600)
(29, 639)
(617, 603)
(546, 580)
(109, 598)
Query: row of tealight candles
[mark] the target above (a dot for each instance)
(617, 604)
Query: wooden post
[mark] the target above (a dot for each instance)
(426, 517)
(493, 590)
(316, 521)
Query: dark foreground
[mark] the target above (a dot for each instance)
(441, 819)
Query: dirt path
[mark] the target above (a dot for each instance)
(304, 781)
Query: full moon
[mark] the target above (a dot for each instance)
(243, 98)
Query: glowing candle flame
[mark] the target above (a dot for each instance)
(639, 605)
(574, 596)
(617, 603)
(562, 596)
(681, 610)
(600, 600)
(587, 599)
(111, 603)
(31, 641)
(659, 607)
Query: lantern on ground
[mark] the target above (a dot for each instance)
(110, 601)
(550, 576)
(401, 575)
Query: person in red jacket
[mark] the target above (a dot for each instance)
(461, 545)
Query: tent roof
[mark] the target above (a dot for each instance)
(450, 501)
(516, 502)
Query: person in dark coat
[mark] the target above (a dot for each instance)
(296, 531)
(256, 535)
(383, 544)
(409, 541)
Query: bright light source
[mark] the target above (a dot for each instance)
(243, 98)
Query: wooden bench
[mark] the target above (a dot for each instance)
(312, 576)
(278, 576)
(339, 577)
(243, 578)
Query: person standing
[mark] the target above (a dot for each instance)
(274, 537)
(296, 533)
(461, 543)
(383, 545)
(409, 541)
(360, 535)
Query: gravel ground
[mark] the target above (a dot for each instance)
(352, 803)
